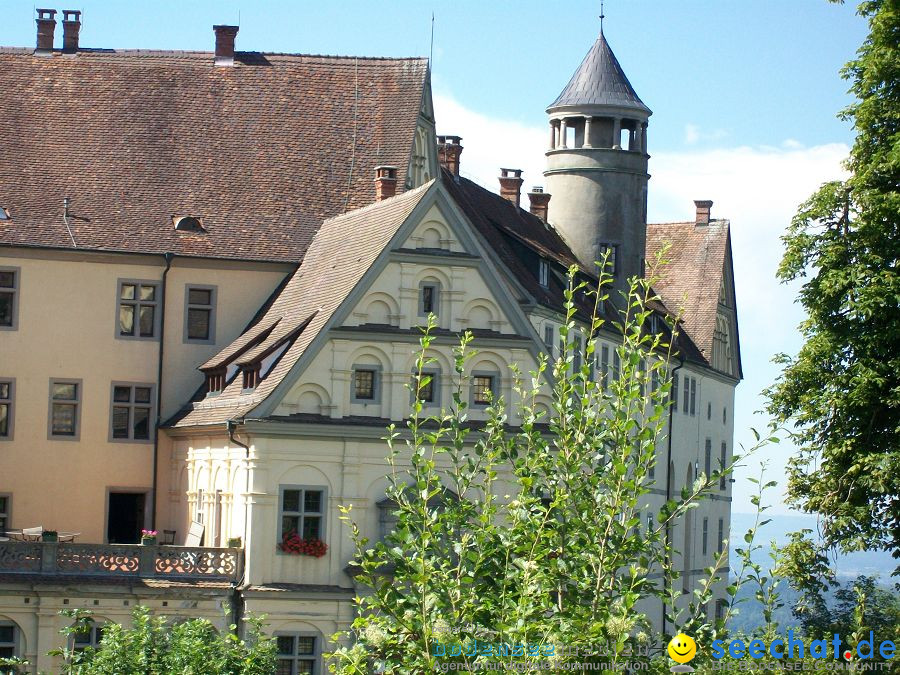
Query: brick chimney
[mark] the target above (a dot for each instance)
(71, 29)
(46, 25)
(225, 36)
(539, 201)
(511, 184)
(385, 182)
(449, 150)
(704, 206)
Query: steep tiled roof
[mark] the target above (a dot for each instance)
(262, 152)
(692, 277)
(599, 80)
(342, 251)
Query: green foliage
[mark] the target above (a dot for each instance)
(842, 390)
(529, 534)
(152, 646)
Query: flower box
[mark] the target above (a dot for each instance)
(148, 538)
(49, 535)
(292, 544)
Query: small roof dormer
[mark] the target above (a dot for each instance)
(599, 82)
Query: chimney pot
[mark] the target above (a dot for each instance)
(538, 202)
(46, 26)
(385, 182)
(511, 185)
(71, 29)
(704, 206)
(449, 150)
(225, 36)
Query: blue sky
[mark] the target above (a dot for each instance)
(744, 96)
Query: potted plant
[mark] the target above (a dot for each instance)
(49, 535)
(292, 543)
(148, 537)
(234, 542)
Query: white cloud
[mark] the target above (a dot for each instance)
(693, 134)
(757, 188)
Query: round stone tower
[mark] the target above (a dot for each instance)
(597, 165)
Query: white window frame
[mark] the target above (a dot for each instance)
(210, 308)
(131, 405)
(315, 657)
(302, 513)
(156, 303)
(10, 403)
(76, 402)
(14, 292)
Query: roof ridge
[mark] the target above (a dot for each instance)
(378, 204)
(115, 51)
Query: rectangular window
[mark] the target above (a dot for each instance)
(723, 460)
(609, 250)
(428, 299)
(549, 335)
(365, 384)
(705, 535)
(707, 458)
(721, 545)
(482, 389)
(87, 639)
(686, 399)
(654, 380)
(200, 314)
(637, 525)
(617, 365)
(7, 396)
(9, 640)
(543, 273)
(5, 503)
(9, 298)
(65, 409)
(303, 512)
(650, 522)
(674, 391)
(693, 396)
(577, 355)
(138, 315)
(604, 366)
(297, 654)
(131, 416)
(429, 391)
(642, 376)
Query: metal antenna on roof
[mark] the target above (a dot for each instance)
(431, 51)
(66, 221)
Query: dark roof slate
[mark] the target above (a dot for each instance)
(262, 152)
(599, 80)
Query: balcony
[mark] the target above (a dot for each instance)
(174, 563)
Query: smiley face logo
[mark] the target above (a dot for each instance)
(682, 648)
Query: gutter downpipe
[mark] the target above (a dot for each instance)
(159, 374)
(237, 602)
(672, 412)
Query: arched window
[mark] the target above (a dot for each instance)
(722, 344)
(10, 639)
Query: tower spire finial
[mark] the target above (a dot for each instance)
(602, 16)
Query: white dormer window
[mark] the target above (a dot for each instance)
(543, 273)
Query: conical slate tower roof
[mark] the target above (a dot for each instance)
(599, 80)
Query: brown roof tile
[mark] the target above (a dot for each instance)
(263, 151)
(342, 251)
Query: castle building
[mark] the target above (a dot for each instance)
(213, 267)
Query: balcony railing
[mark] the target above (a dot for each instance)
(121, 560)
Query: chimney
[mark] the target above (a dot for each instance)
(511, 184)
(71, 28)
(385, 182)
(225, 36)
(46, 25)
(539, 201)
(449, 150)
(704, 206)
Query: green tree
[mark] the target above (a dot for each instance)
(531, 535)
(153, 647)
(842, 390)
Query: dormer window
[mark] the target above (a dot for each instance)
(189, 224)
(215, 380)
(4, 214)
(251, 375)
(543, 273)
